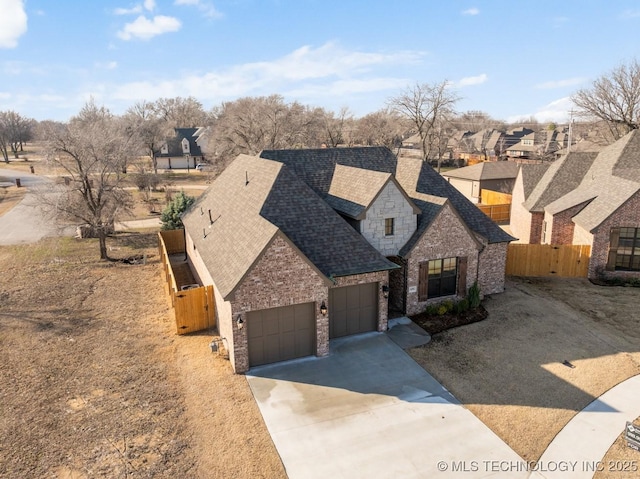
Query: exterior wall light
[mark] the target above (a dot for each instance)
(323, 309)
(240, 322)
(385, 291)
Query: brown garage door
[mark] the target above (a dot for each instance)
(353, 309)
(279, 334)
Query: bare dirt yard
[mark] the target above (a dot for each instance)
(95, 383)
(514, 370)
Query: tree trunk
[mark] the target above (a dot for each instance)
(102, 239)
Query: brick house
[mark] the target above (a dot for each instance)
(303, 246)
(585, 198)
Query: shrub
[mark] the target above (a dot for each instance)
(462, 306)
(474, 296)
(171, 215)
(449, 305)
(442, 310)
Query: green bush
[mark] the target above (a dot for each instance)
(449, 305)
(474, 296)
(171, 215)
(442, 310)
(462, 306)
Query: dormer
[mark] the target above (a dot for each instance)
(185, 147)
(375, 204)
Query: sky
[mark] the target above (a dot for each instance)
(510, 59)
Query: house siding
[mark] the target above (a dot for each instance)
(466, 188)
(380, 277)
(492, 267)
(628, 215)
(446, 237)
(281, 277)
(520, 223)
(390, 203)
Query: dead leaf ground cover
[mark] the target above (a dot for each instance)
(96, 384)
(508, 369)
(9, 197)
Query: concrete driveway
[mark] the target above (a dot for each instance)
(368, 410)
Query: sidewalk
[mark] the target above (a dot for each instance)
(589, 435)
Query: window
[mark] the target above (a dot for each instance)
(389, 226)
(627, 251)
(437, 278)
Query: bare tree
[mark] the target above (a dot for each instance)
(476, 120)
(613, 98)
(5, 136)
(92, 150)
(180, 112)
(429, 108)
(252, 124)
(381, 128)
(148, 128)
(15, 131)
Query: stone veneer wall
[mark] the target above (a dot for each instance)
(390, 203)
(492, 267)
(446, 237)
(628, 215)
(380, 277)
(397, 288)
(281, 277)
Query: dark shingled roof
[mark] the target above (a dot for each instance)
(531, 176)
(564, 175)
(245, 217)
(612, 179)
(316, 168)
(174, 144)
(318, 231)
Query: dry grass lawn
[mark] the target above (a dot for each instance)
(9, 197)
(96, 383)
(508, 370)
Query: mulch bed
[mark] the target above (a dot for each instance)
(434, 324)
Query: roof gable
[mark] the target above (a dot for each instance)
(492, 170)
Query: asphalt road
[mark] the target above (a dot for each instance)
(25, 223)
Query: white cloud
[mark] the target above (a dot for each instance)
(560, 83)
(207, 8)
(328, 68)
(145, 29)
(556, 111)
(108, 65)
(631, 13)
(149, 5)
(476, 80)
(13, 22)
(128, 11)
(471, 11)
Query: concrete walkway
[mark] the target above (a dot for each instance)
(588, 436)
(369, 411)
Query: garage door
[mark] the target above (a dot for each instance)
(353, 309)
(279, 334)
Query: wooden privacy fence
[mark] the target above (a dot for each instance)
(195, 307)
(565, 261)
(490, 197)
(498, 213)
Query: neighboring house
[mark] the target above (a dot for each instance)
(182, 151)
(594, 202)
(539, 185)
(484, 145)
(496, 176)
(303, 246)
